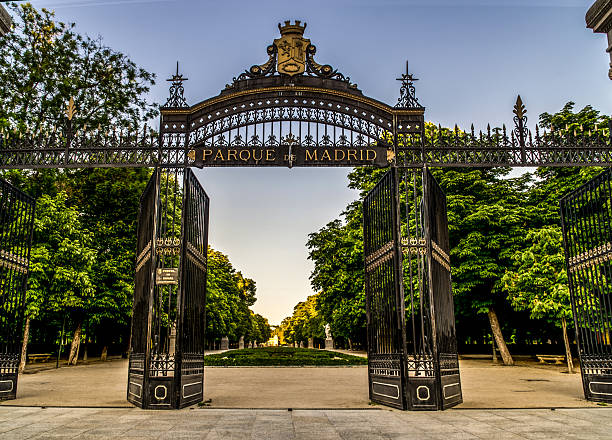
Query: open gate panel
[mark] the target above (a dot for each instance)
(16, 226)
(587, 232)
(412, 348)
(166, 368)
(384, 307)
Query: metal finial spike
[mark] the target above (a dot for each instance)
(519, 108)
(70, 109)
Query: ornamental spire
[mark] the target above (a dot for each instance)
(176, 99)
(408, 97)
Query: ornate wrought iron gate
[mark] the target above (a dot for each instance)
(446, 360)
(587, 233)
(384, 304)
(16, 225)
(412, 347)
(167, 350)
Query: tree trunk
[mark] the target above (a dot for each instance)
(499, 338)
(85, 352)
(24, 345)
(494, 353)
(76, 342)
(568, 351)
(104, 353)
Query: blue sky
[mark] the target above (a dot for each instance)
(472, 57)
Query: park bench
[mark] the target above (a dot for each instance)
(550, 358)
(43, 357)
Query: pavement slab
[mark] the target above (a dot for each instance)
(207, 423)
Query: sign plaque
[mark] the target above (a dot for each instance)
(166, 276)
(291, 156)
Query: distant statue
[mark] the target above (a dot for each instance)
(327, 331)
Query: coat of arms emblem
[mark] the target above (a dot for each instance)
(291, 47)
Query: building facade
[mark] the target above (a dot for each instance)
(599, 18)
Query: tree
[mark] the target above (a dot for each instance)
(538, 281)
(552, 183)
(487, 221)
(337, 253)
(263, 328)
(108, 200)
(305, 323)
(229, 296)
(62, 261)
(44, 63)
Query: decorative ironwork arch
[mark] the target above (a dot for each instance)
(280, 111)
(289, 101)
(290, 97)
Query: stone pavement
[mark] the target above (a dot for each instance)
(527, 385)
(376, 424)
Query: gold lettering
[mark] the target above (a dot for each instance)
(368, 155)
(311, 155)
(247, 157)
(270, 155)
(326, 154)
(219, 154)
(336, 154)
(361, 155)
(352, 153)
(207, 153)
(231, 153)
(257, 159)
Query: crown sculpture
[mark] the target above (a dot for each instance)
(292, 55)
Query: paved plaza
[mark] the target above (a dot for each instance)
(375, 424)
(528, 401)
(527, 385)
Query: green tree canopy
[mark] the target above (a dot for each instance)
(45, 62)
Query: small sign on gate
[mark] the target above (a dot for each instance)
(167, 276)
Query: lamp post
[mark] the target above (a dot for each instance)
(599, 18)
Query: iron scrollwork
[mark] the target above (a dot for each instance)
(323, 70)
(260, 70)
